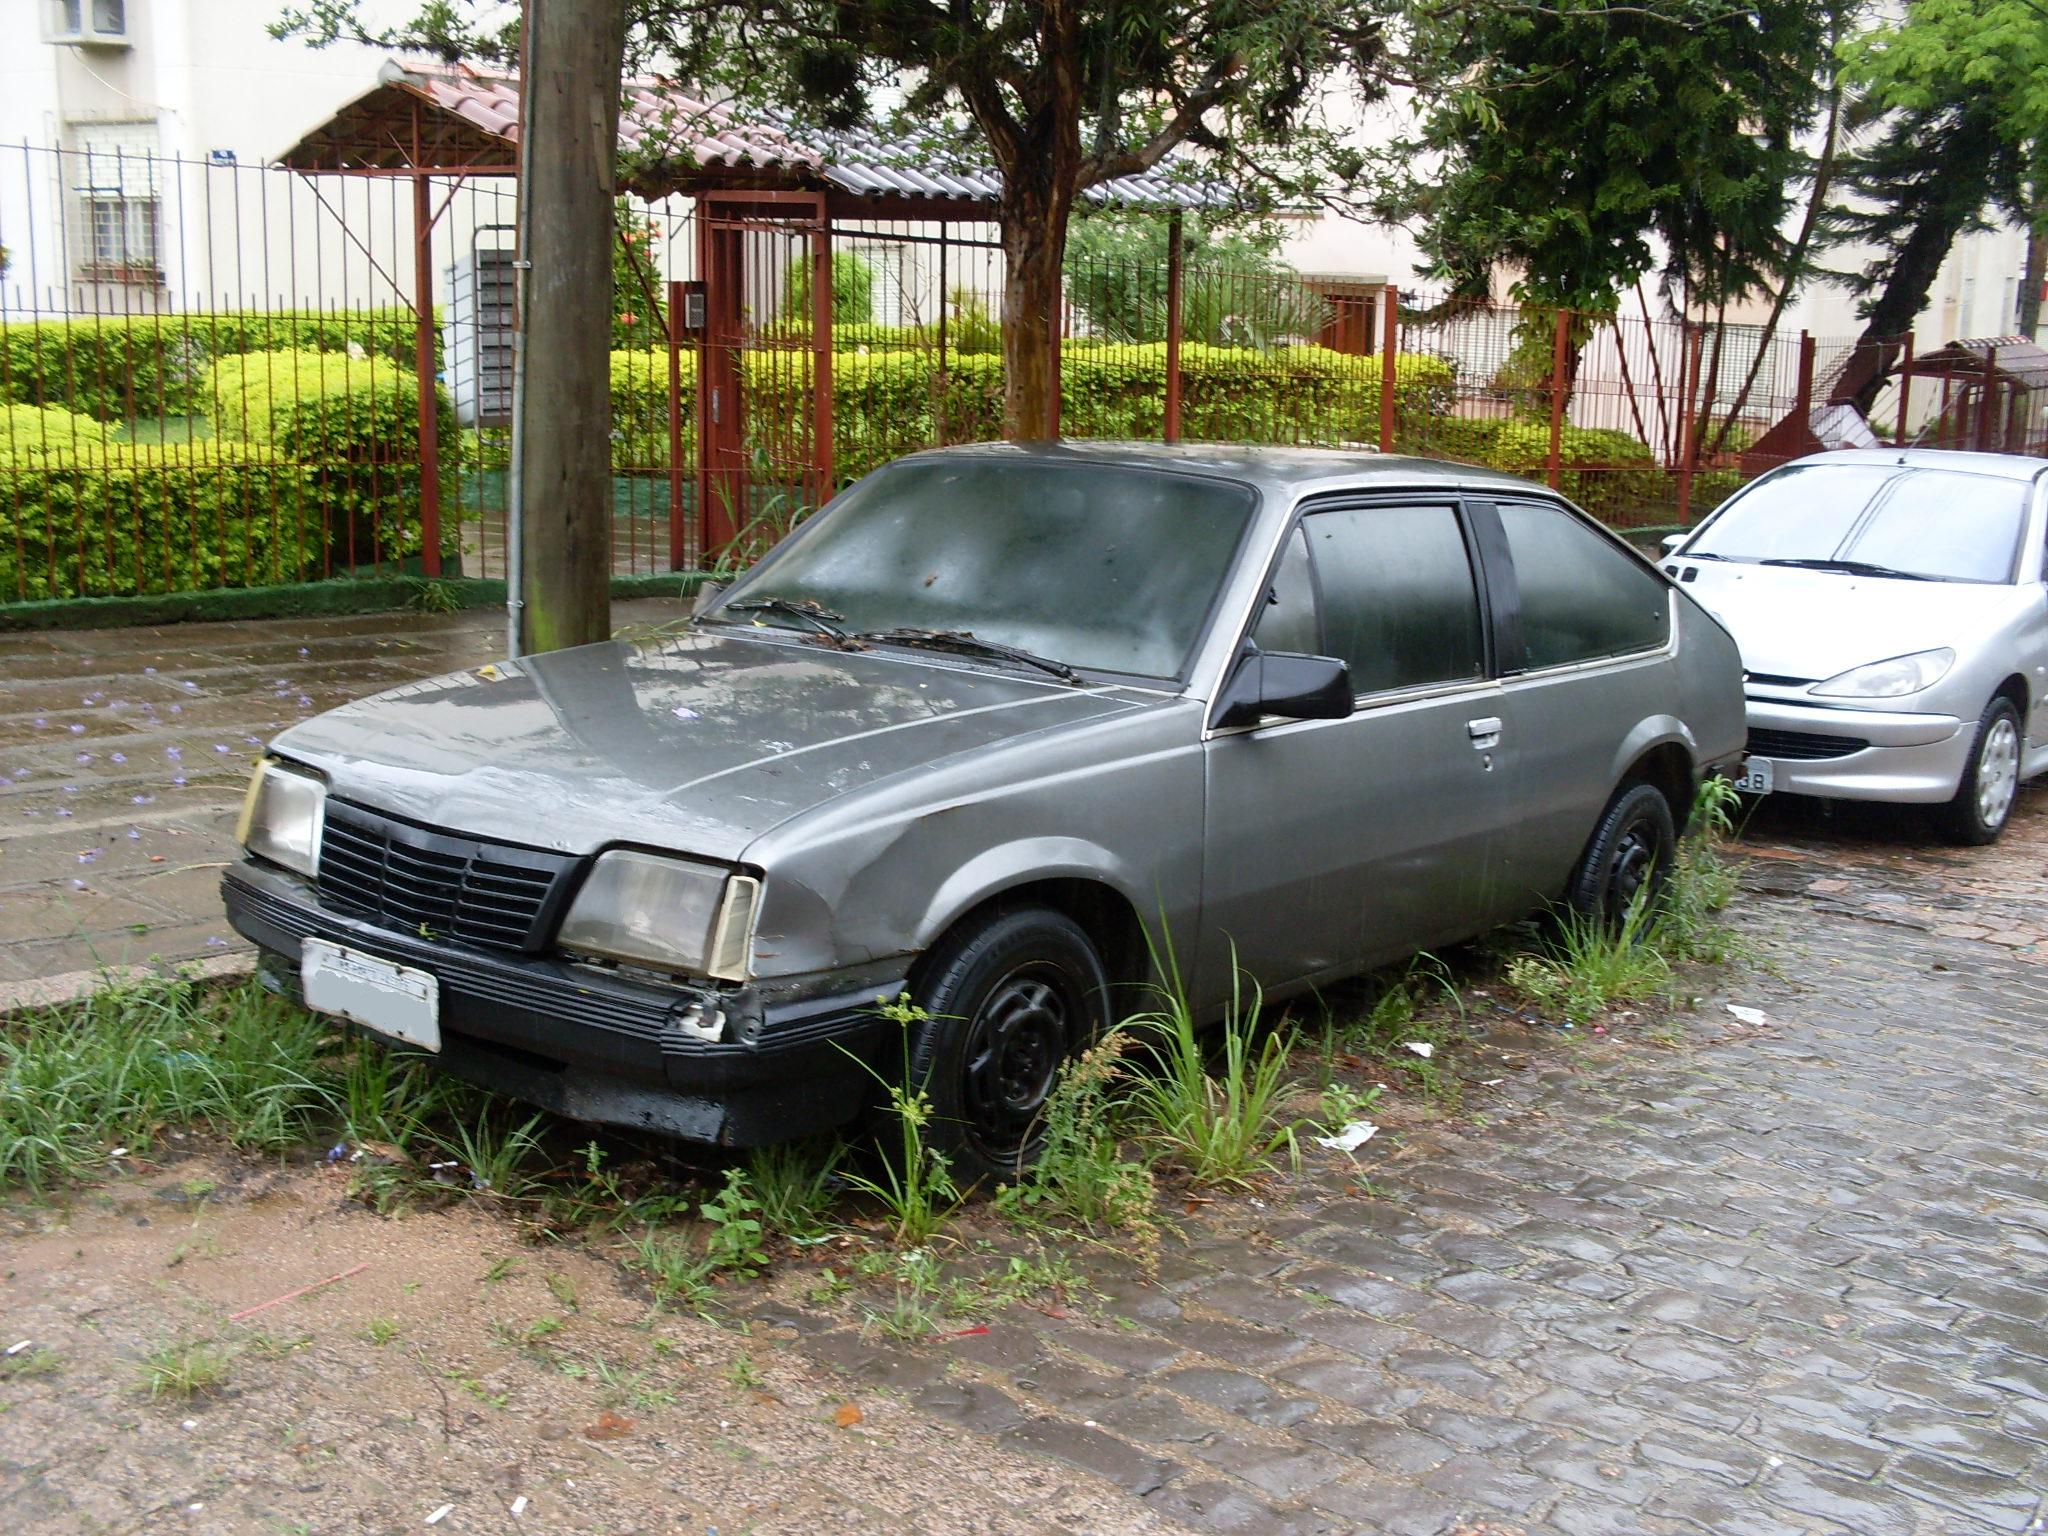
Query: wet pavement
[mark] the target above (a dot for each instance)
(1789, 1280)
(124, 754)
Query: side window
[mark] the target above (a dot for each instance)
(1287, 620)
(1399, 601)
(1581, 597)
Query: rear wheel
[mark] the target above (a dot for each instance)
(1983, 802)
(1011, 997)
(1628, 858)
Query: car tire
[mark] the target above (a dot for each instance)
(1632, 849)
(1011, 997)
(1990, 782)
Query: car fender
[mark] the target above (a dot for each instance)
(1646, 736)
(1025, 861)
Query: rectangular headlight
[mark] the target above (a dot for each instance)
(282, 816)
(672, 913)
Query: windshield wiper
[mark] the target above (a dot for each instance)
(966, 644)
(821, 619)
(1852, 567)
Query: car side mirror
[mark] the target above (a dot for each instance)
(1286, 684)
(1671, 541)
(707, 593)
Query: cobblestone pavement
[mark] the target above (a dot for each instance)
(1791, 1279)
(124, 753)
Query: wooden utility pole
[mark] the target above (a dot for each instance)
(575, 52)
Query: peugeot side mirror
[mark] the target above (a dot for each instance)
(1671, 541)
(1291, 686)
(707, 593)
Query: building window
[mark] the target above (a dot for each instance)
(113, 169)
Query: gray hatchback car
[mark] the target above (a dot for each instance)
(987, 729)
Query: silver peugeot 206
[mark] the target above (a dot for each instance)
(1893, 622)
(993, 729)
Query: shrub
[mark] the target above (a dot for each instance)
(116, 367)
(28, 429)
(853, 290)
(118, 520)
(353, 424)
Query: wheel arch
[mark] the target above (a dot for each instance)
(1103, 912)
(1661, 753)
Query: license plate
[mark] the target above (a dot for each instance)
(394, 1000)
(1756, 776)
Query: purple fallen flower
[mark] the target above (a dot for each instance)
(142, 799)
(78, 730)
(84, 758)
(177, 709)
(120, 757)
(150, 670)
(89, 856)
(174, 753)
(216, 942)
(221, 747)
(134, 836)
(78, 885)
(62, 812)
(178, 778)
(190, 686)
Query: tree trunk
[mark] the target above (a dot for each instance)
(1034, 242)
(2035, 273)
(574, 57)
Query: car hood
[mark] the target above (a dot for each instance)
(1813, 624)
(698, 744)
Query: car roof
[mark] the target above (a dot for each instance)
(2004, 466)
(1286, 472)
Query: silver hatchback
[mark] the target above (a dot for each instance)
(992, 728)
(1893, 620)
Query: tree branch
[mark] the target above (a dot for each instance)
(1217, 86)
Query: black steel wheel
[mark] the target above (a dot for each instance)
(1011, 996)
(1628, 857)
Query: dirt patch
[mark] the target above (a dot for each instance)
(457, 1366)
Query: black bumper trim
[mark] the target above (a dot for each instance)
(596, 1047)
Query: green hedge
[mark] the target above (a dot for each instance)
(37, 429)
(117, 367)
(353, 424)
(1611, 474)
(117, 520)
(888, 403)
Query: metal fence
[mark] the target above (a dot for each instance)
(210, 374)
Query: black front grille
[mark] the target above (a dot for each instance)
(1802, 746)
(484, 894)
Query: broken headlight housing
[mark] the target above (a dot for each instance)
(676, 914)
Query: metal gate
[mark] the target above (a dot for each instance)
(764, 368)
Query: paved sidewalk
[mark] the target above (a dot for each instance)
(124, 753)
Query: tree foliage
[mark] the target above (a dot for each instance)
(1588, 143)
(1235, 290)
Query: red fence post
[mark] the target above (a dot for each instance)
(1553, 465)
(678, 549)
(1173, 299)
(1905, 387)
(1986, 392)
(821, 341)
(1804, 405)
(423, 362)
(1390, 337)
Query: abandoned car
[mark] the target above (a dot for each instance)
(991, 729)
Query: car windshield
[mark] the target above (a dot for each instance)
(1105, 567)
(1938, 524)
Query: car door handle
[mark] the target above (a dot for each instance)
(1484, 732)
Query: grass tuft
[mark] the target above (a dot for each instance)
(185, 1368)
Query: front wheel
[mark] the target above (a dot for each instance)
(1011, 997)
(1627, 859)
(1983, 802)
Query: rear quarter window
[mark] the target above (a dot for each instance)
(1582, 598)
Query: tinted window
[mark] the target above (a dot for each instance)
(1582, 598)
(1399, 603)
(1287, 622)
(1095, 565)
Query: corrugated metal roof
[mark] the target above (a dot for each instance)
(2014, 359)
(680, 135)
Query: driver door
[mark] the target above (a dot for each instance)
(1334, 845)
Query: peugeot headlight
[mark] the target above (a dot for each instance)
(672, 913)
(1890, 679)
(282, 816)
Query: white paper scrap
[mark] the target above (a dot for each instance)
(1755, 1018)
(1421, 1048)
(1351, 1138)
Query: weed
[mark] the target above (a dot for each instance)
(735, 1219)
(830, 1287)
(501, 1268)
(563, 1289)
(1082, 1175)
(184, 1368)
(1341, 1104)
(1222, 1129)
(914, 1310)
(743, 1373)
(793, 1183)
(1704, 879)
(428, 595)
(275, 1346)
(527, 1335)
(496, 1155)
(136, 1055)
(30, 1362)
(382, 1330)
(915, 1186)
(1589, 965)
(674, 1271)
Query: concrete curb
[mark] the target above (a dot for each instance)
(74, 986)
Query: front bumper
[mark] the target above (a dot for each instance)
(605, 1048)
(1911, 757)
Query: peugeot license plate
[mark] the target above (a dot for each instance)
(394, 1000)
(1756, 776)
